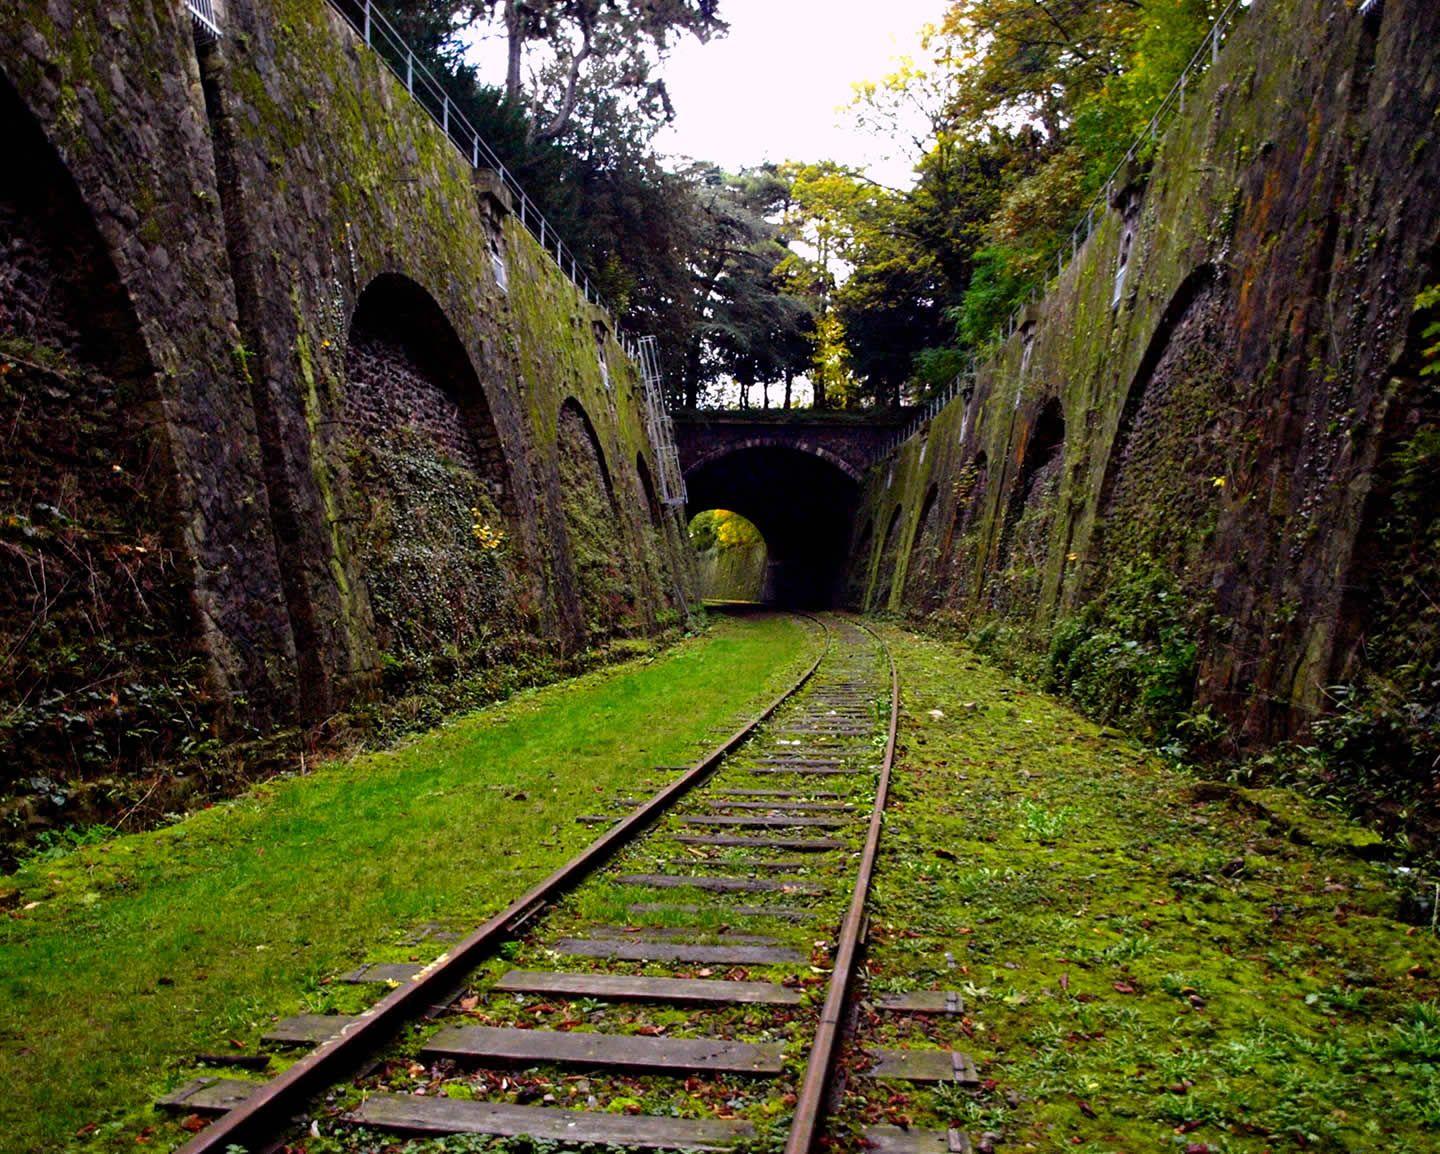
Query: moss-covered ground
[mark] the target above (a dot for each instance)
(121, 962)
(1148, 964)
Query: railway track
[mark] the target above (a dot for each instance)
(681, 985)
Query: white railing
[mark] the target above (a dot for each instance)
(662, 430)
(962, 382)
(202, 15)
(379, 34)
(1174, 102)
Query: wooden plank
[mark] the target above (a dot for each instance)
(722, 885)
(784, 913)
(382, 972)
(924, 1066)
(619, 988)
(894, 1140)
(744, 865)
(642, 933)
(307, 1029)
(798, 759)
(777, 793)
(799, 845)
(791, 806)
(677, 952)
(767, 822)
(411, 1114)
(922, 1002)
(499, 1044)
(208, 1096)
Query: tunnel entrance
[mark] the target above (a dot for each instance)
(801, 503)
(733, 558)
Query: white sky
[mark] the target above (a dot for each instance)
(774, 87)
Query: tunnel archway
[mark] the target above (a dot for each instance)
(802, 503)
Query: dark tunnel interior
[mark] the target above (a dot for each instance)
(802, 504)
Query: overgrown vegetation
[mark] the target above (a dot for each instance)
(1129, 655)
(1013, 116)
(185, 938)
(1145, 965)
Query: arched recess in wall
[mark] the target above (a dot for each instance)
(923, 565)
(657, 551)
(1025, 530)
(96, 620)
(603, 581)
(858, 567)
(1387, 642)
(647, 487)
(1172, 437)
(430, 486)
(884, 582)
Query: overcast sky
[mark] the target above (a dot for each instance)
(773, 88)
(770, 90)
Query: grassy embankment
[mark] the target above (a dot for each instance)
(149, 949)
(1148, 965)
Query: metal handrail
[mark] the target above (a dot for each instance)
(371, 24)
(202, 14)
(1205, 55)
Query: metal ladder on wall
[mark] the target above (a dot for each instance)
(670, 479)
(662, 431)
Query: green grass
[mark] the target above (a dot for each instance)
(1147, 965)
(150, 949)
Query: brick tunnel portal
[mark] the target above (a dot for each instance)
(802, 503)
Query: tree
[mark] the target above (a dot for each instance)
(744, 323)
(630, 36)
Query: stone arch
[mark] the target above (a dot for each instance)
(94, 548)
(603, 581)
(922, 565)
(883, 585)
(970, 487)
(405, 365)
(707, 459)
(1192, 287)
(1027, 513)
(960, 549)
(429, 483)
(801, 502)
(647, 488)
(1171, 435)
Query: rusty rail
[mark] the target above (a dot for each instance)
(810, 1108)
(270, 1107)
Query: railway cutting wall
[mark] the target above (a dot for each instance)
(1199, 479)
(279, 441)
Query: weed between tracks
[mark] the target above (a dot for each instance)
(1143, 970)
(603, 908)
(150, 949)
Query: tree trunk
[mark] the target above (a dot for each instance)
(789, 380)
(515, 48)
